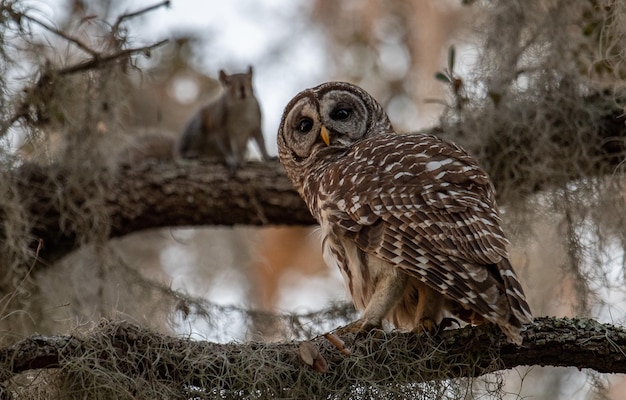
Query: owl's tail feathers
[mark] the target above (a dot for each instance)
(520, 313)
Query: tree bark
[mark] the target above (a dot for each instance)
(156, 195)
(391, 359)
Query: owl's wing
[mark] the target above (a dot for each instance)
(424, 205)
(422, 191)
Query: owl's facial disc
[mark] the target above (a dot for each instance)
(302, 127)
(344, 116)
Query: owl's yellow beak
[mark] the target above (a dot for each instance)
(325, 136)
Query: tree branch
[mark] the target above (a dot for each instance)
(69, 38)
(96, 60)
(129, 15)
(156, 195)
(395, 359)
(102, 61)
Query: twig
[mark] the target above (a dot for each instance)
(97, 61)
(63, 35)
(100, 61)
(9, 297)
(124, 17)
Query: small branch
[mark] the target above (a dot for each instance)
(395, 359)
(63, 35)
(100, 61)
(97, 61)
(134, 14)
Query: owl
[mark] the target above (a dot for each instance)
(410, 220)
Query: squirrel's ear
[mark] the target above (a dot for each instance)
(223, 76)
(250, 70)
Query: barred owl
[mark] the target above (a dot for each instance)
(410, 220)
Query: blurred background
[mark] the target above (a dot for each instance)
(431, 63)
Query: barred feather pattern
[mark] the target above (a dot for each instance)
(412, 204)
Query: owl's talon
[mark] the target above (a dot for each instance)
(429, 326)
(447, 323)
(361, 330)
(369, 330)
(367, 327)
(426, 325)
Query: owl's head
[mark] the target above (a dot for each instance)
(327, 119)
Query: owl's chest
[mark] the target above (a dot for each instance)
(359, 270)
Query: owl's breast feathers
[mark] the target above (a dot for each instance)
(424, 205)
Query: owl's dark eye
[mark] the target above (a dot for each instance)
(305, 125)
(340, 114)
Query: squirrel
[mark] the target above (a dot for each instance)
(222, 128)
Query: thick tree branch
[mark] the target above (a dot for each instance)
(396, 359)
(155, 195)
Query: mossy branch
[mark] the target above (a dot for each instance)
(395, 359)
